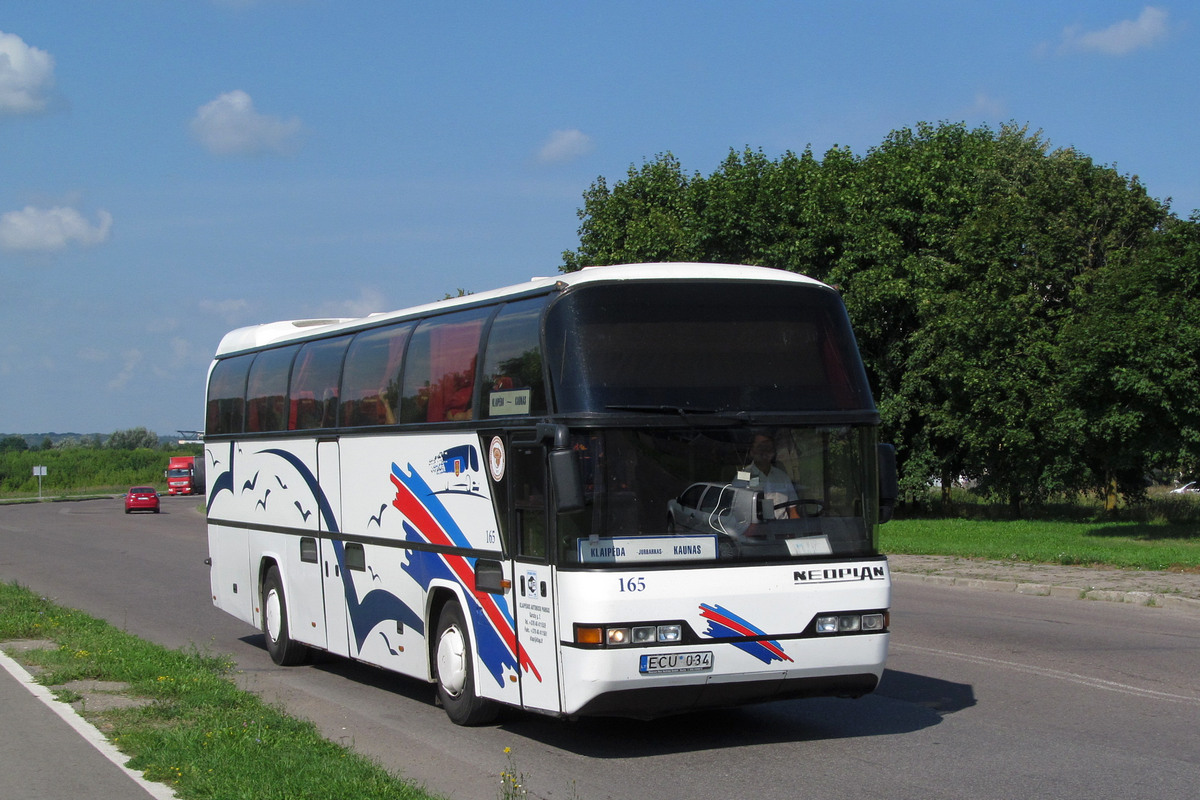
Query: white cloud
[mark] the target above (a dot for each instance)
(50, 229)
(26, 74)
(183, 351)
(232, 311)
(987, 106)
(369, 301)
(563, 146)
(1120, 38)
(129, 362)
(230, 125)
(92, 354)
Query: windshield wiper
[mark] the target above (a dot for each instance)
(652, 409)
(687, 413)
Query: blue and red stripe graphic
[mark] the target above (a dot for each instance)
(724, 624)
(427, 520)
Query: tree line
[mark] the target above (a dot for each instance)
(1029, 319)
(125, 458)
(125, 439)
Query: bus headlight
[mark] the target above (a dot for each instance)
(625, 635)
(616, 636)
(645, 634)
(669, 633)
(876, 622)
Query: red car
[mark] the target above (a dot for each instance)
(141, 498)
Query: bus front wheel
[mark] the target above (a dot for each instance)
(456, 673)
(284, 651)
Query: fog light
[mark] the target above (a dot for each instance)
(644, 634)
(669, 633)
(827, 624)
(848, 623)
(618, 636)
(872, 622)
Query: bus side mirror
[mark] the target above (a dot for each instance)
(568, 486)
(889, 480)
(489, 577)
(564, 468)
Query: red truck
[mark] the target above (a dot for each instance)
(185, 475)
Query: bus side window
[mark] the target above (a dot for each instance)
(313, 393)
(370, 381)
(527, 473)
(227, 396)
(439, 373)
(266, 390)
(512, 364)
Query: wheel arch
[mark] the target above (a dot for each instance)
(440, 594)
(265, 563)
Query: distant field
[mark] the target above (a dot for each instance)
(82, 471)
(1128, 545)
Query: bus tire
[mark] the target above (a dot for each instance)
(284, 651)
(454, 662)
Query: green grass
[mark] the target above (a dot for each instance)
(1126, 544)
(81, 470)
(200, 734)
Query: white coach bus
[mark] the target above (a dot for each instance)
(629, 490)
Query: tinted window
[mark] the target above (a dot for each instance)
(226, 396)
(314, 388)
(512, 364)
(630, 476)
(266, 390)
(439, 375)
(691, 498)
(371, 380)
(717, 346)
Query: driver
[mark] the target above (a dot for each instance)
(776, 486)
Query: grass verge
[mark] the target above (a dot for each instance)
(1127, 545)
(199, 734)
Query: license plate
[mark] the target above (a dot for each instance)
(661, 663)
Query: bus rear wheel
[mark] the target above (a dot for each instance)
(284, 651)
(454, 662)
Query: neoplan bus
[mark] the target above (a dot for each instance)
(629, 490)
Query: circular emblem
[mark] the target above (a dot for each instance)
(496, 459)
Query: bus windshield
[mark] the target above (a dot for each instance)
(718, 346)
(724, 494)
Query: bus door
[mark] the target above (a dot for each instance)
(532, 576)
(329, 477)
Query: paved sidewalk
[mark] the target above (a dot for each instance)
(48, 752)
(1178, 590)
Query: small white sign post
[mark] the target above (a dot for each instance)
(39, 472)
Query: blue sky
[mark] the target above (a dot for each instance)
(173, 169)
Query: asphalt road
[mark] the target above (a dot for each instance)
(987, 695)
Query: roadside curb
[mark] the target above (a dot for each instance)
(80, 735)
(1141, 598)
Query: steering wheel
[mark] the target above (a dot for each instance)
(805, 507)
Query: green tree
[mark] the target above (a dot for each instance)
(987, 275)
(1132, 363)
(132, 439)
(13, 444)
(967, 254)
(648, 217)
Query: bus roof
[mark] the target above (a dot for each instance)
(255, 336)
